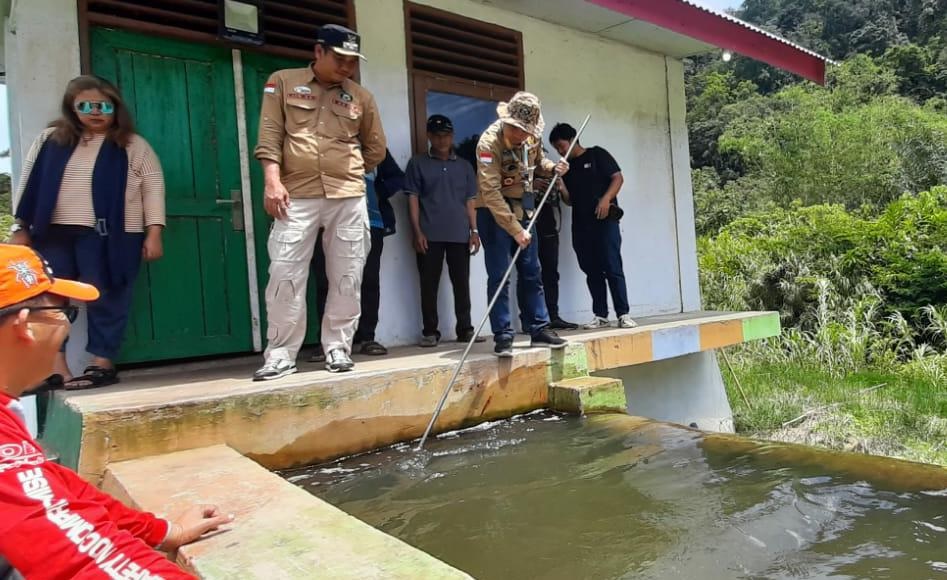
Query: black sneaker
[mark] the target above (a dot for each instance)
(318, 356)
(338, 361)
(503, 347)
(372, 348)
(548, 338)
(466, 336)
(274, 369)
(560, 324)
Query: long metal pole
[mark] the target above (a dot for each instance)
(496, 295)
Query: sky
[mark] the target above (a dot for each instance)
(720, 4)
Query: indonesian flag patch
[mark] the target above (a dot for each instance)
(269, 88)
(485, 157)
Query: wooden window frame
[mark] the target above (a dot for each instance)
(420, 82)
(86, 21)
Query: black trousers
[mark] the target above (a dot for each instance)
(547, 234)
(371, 285)
(430, 266)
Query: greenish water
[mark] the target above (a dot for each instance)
(543, 496)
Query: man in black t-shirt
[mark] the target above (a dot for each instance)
(547, 234)
(592, 184)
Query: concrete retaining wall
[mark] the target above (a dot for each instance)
(315, 416)
(279, 531)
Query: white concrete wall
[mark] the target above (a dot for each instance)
(42, 55)
(683, 189)
(625, 90)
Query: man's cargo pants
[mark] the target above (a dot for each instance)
(292, 241)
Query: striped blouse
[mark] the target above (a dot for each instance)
(144, 192)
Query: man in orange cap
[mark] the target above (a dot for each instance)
(54, 524)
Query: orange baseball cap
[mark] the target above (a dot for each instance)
(24, 275)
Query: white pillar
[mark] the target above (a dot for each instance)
(41, 56)
(683, 191)
(685, 390)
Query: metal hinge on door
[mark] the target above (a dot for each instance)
(236, 208)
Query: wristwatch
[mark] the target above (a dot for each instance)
(475, 232)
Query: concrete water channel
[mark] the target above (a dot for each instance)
(613, 496)
(205, 433)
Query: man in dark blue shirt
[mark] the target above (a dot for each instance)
(441, 189)
(593, 183)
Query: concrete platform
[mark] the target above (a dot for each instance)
(279, 531)
(314, 416)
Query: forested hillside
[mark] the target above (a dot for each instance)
(824, 203)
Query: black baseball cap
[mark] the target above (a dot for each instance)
(341, 40)
(439, 124)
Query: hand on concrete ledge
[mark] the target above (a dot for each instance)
(192, 524)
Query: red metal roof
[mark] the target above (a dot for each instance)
(719, 29)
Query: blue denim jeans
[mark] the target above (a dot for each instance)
(79, 253)
(498, 250)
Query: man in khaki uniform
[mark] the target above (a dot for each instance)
(508, 154)
(319, 133)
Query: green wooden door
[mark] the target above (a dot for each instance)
(257, 68)
(195, 300)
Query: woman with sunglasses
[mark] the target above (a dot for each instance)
(92, 202)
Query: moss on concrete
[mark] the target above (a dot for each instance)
(588, 395)
(568, 363)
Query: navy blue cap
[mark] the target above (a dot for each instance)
(439, 124)
(340, 39)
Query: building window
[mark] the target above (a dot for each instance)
(459, 67)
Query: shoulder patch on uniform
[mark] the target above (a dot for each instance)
(485, 157)
(269, 88)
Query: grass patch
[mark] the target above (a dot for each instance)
(882, 413)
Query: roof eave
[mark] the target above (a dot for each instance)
(724, 31)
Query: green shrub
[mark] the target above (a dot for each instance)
(852, 290)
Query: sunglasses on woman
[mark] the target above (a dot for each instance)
(86, 107)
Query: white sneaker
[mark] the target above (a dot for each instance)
(274, 369)
(597, 322)
(338, 361)
(625, 321)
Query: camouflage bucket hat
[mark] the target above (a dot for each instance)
(523, 111)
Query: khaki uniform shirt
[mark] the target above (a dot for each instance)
(324, 139)
(500, 175)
